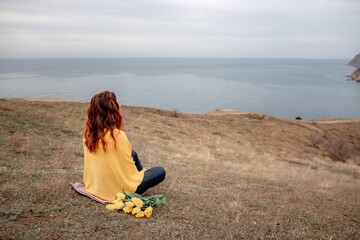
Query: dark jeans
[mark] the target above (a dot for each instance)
(152, 176)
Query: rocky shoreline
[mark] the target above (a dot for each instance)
(355, 75)
(355, 62)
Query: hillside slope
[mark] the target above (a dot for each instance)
(230, 175)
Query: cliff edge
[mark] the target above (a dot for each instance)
(355, 62)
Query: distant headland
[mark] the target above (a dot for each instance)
(355, 62)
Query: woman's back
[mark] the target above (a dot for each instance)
(109, 171)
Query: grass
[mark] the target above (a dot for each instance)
(229, 176)
(336, 148)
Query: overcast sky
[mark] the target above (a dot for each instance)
(180, 28)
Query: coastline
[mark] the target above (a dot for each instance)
(216, 112)
(280, 88)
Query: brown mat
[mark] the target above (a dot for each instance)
(80, 188)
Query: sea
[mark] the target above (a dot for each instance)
(289, 88)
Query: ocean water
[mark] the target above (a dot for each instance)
(311, 89)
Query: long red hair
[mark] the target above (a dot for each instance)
(103, 115)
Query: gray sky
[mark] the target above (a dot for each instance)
(180, 28)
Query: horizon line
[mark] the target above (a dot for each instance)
(176, 57)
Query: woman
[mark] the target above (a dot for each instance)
(110, 165)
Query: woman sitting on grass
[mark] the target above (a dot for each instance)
(110, 165)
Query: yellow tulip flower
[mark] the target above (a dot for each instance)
(136, 210)
(137, 201)
(110, 207)
(119, 205)
(148, 212)
(115, 206)
(130, 204)
(120, 196)
(116, 201)
(140, 214)
(127, 209)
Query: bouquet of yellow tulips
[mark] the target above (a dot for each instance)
(137, 205)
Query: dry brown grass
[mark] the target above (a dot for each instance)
(4, 107)
(337, 148)
(230, 175)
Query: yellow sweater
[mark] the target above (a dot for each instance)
(107, 173)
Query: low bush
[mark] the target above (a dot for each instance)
(335, 147)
